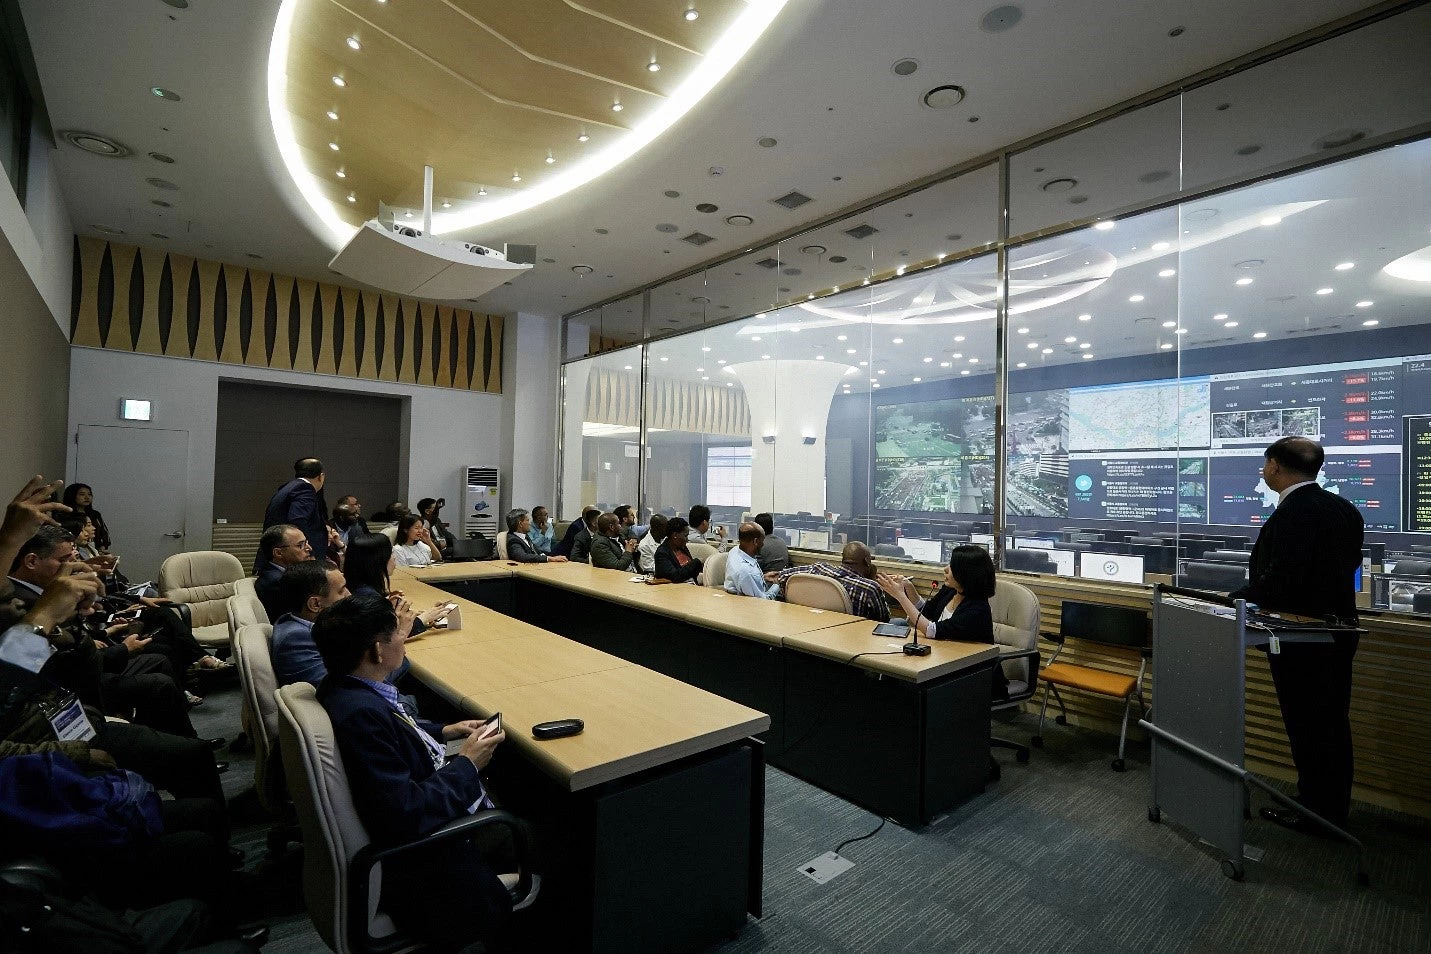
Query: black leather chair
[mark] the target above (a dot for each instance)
(1217, 577)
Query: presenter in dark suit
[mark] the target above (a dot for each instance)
(1304, 562)
(403, 786)
(300, 503)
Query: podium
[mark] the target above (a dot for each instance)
(1198, 722)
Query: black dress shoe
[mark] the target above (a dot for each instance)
(1289, 818)
(215, 743)
(222, 767)
(257, 935)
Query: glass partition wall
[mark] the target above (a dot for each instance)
(1113, 379)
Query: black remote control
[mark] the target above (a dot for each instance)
(558, 729)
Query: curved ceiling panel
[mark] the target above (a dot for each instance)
(512, 104)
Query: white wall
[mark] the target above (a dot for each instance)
(447, 429)
(531, 365)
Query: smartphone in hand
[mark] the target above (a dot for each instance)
(490, 726)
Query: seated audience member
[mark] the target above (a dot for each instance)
(742, 568)
(348, 518)
(960, 608)
(280, 547)
(305, 590)
(80, 499)
(574, 529)
(395, 512)
(519, 540)
(581, 544)
(855, 572)
(81, 528)
(369, 568)
(540, 534)
(646, 549)
(626, 518)
(402, 783)
(438, 538)
(414, 546)
(673, 561)
(700, 528)
(609, 549)
(774, 554)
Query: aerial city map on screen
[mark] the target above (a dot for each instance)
(1189, 450)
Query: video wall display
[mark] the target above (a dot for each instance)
(1186, 450)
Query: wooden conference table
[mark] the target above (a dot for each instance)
(904, 736)
(650, 822)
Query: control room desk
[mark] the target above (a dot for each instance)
(650, 822)
(905, 736)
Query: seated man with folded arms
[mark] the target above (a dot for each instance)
(284, 545)
(520, 546)
(306, 590)
(646, 549)
(609, 549)
(774, 554)
(673, 561)
(403, 785)
(742, 568)
(856, 573)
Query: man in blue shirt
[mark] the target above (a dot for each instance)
(540, 536)
(304, 591)
(742, 570)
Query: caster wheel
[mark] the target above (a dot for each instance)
(1363, 879)
(1036, 741)
(1022, 756)
(1155, 814)
(1118, 765)
(1061, 720)
(1233, 869)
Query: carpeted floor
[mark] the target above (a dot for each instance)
(1056, 856)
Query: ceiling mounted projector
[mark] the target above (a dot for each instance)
(407, 261)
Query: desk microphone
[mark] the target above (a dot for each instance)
(915, 648)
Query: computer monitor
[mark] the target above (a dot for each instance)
(985, 540)
(1063, 560)
(815, 539)
(1111, 566)
(1356, 580)
(1121, 625)
(1033, 543)
(926, 551)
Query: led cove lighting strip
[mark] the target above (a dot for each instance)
(719, 61)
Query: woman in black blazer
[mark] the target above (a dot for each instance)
(673, 561)
(959, 609)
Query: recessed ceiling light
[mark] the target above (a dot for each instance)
(1167, 273)
(333, 146)
(653, 66)
(1370, 323)
(1324, 291)
(1244, 280)
(721, 361)
(1365, 304)
(665, 358)
(958, 338)
(841, 337)
(880, 371)
(973, 360)
(353, 43)
(1023, 364)
(352, 197)
(849, 351)
(928, 360)
(407, 214)
(1166, 346)
(917, 380)
(1345, 266)
(958, 354)
(1220, 316)
(1023, 331)
(339, 81)
(1159, 246)
(819, 357)
(481, 190)
(333, 115)
(864, 364)
(730, 384)
(163, 93)
(1271, 219)
(1103, 226)
(705, 348)
(1135, 298)
(341, 174)
(582, 136)
(1088, 357)
(96, 144)
(1047, 351)
(446, 204)
(1033, 345)
(1085, 345)
(1070, 339)
(616, 106)
(755, 337)
(1181, 331)
(705, 377)
(516, 177)
(1259, 334)
(765, 357)
(965, 371)
(1085, 317)
(898, 340)
(1170, 324)
(692, 13)
(1230, 324)
(944, 364)
(946, 96)
(550, 158)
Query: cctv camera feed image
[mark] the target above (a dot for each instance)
(1167, 450)
(935, 456)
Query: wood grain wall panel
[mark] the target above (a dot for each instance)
(132, 299)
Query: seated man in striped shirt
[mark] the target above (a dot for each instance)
(855, 572)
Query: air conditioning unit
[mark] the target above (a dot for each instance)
(480, 501)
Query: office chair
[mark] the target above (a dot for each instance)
(1413, 568)
(701, 551)
(889, 550)
(244, 610)
(204, 581)
(1122, 630)
(247, 586)
(821, 592)
(1016, 623)
(714, 573)
(259, 710)
(1030, 561)
(1216, 577)
(471, 548)
(502, 545)
(342, 871)
(1227, 556)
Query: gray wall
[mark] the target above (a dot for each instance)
(263, 429)
(35, 369)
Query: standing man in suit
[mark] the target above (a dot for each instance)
(1304, 562)
(300, 503)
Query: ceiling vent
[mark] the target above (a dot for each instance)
(697, 238)
(95, 144)
(792, 200)
(769, 263)
(861, 231)
(1313, 331)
